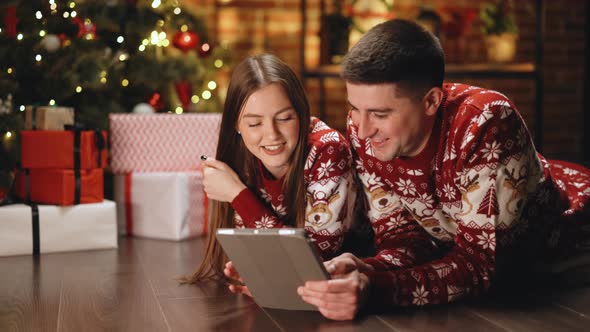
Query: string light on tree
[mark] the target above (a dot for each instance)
(156, 4)
(52, 102)
(178, 110)
(205, 50)
(78, 89)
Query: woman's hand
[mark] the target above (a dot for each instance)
(231, 272)
(220, 182)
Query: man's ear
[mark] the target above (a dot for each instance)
(432, 100)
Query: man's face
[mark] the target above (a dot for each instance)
(395, 124)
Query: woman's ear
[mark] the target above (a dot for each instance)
(432, 100)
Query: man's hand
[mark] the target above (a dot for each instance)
(231, 272)
(220, 182)
(343, 296)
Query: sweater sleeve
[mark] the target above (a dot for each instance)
(497, 171)
(328, 169)
(252, 213)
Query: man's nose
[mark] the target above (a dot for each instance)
(365, 128)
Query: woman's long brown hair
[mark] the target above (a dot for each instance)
(252, 74)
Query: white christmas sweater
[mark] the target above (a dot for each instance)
(444, 219)
(327, 175)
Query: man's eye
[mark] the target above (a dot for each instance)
(380, 115)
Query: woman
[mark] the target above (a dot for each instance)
(276, 166)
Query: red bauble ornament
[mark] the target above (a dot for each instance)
(205, 50)
(185, 40)
(86, 29)
(156, 100)
(184, 89)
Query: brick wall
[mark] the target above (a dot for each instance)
(254, 26)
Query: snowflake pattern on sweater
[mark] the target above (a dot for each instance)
(328, 177)
(445, 218)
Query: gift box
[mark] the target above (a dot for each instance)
(48, 117)
(161, 205)
(161, 142)
(58, 186)
(55, 229)
(55, 149)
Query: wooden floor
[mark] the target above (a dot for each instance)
(133, 289)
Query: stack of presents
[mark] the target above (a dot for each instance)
(59, 200)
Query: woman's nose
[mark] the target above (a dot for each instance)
(272, 130)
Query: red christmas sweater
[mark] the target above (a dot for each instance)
(328, 177)
(476, 194)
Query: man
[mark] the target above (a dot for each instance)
(455, 192)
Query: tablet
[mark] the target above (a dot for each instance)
(273, 263)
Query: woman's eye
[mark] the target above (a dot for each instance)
(253, 125)
(380, 115)
(285, 119)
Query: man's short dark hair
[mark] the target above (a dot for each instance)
(396, 51)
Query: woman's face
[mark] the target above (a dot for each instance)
(269, 127)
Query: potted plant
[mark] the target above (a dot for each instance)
(500, 30)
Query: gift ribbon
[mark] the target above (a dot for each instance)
(34, 117)
(35, 221)
(34, 212)
(128, 208)
(77, 181)
(99, 140)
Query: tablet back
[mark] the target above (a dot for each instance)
(273, 263)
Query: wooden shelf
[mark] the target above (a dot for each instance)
(524, 70)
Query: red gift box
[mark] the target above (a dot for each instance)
(57, 186)
(55, 149)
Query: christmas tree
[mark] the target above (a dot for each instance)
(101, 57)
